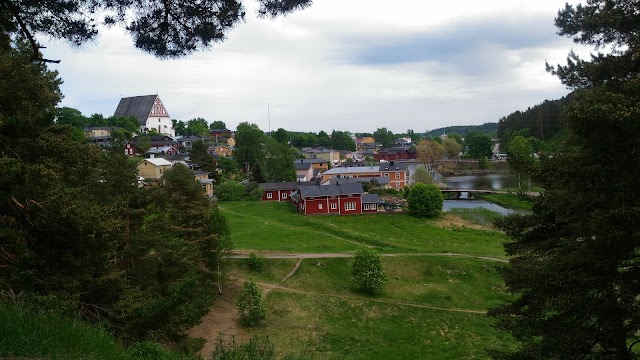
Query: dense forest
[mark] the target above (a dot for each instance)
(488, 128)
(542, 121)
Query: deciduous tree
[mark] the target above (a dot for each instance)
(425, 200)
(367, 272)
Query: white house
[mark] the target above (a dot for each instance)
(149, 111)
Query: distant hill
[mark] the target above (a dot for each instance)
(489, 128)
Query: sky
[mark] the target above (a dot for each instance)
(349, 65)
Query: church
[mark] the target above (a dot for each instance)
(149, 111)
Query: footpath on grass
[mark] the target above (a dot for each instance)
(244, 254)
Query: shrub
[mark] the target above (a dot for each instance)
(230, 190)
(256, 262)
(251, 306)
(367, 272)
(425, 200)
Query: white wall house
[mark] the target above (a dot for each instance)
(149, 111)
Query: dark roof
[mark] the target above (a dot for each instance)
(138, 107)
(179, 156)
(299, 166)
(382, 180)
(371, 198)
(393, 166)
(199, 172)
(330, 190)
(99, 128)
(312, 161)
(279, 186)
(190, 138)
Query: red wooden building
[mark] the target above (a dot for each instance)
(339, 199)
(278, 191)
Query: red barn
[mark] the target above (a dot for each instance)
(279, 191)
(340, 199)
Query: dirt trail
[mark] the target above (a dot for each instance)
(222, 319)
(243, 254)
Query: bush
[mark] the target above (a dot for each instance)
(367, 272)
(251, 306)
(425, 200)
(230, 190)
(256, 262)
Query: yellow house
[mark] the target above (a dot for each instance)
(203, 178)
(221, 150)
(153, 169)
(231, 142)
(97, 132)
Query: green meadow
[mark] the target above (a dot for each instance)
(433, 306)
(273, 226)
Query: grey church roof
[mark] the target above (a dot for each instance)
(138, 107)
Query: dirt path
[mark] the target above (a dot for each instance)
(222, 321)
(243, 254)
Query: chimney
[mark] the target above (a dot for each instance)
(151, 156)
(391, 162)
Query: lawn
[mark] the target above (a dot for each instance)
(509, 201)
(433, 306)
(273, 226)
(335, 321)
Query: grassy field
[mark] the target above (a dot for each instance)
(420, 315)
(433, 306)
(510, 201)
(273, 226)
(36, 335)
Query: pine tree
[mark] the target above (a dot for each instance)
(575, 266)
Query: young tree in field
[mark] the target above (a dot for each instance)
(520, 157)
(251, 306)
(574, 263)
(367, 272)
(425, 200)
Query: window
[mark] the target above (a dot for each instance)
(269, 196)
(366, 206)
(386, 174)
(397, 175)
(319, 206)
(350, 206)
(373, 207)
(334, 206)
(284, 195)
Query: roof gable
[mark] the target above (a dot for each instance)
(141, 107)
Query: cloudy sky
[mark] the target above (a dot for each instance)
(353, 65)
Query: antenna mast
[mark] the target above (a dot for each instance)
(269, 118)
